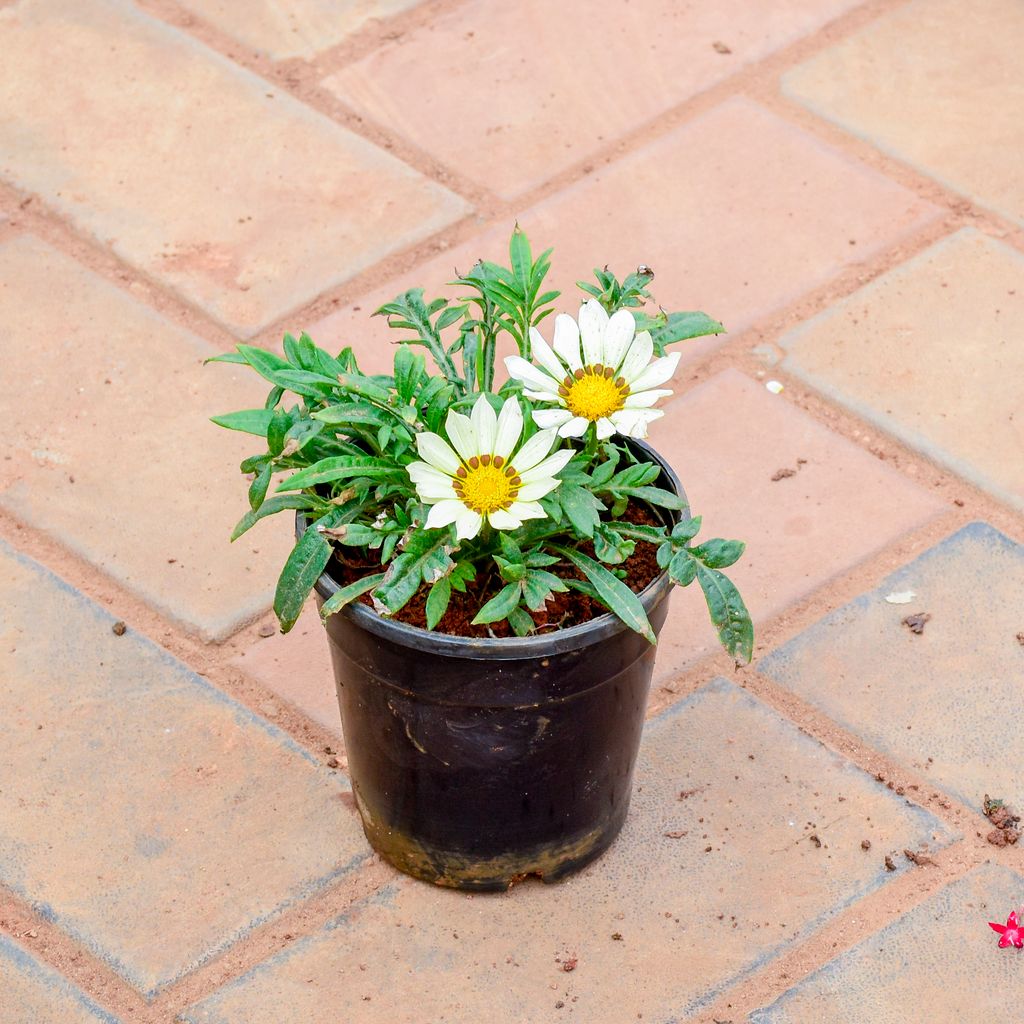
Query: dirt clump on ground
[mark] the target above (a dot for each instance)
(1006, 831)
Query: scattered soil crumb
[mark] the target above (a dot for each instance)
(1020, 639)
(267, 630)
(782, 474)
(119, 628)
(569, 964)
(922, 860)
(332, 762)
(865, 844)
(813, 837)
(685, 794)
(1006, 832)
(676, 835)
(720, 47)
(559, 1004)
(916, 623)
(617, 936)
(890, 864)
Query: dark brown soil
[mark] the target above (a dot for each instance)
(561, 612)
(1006, 831)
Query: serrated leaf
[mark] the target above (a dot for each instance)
(346, 595)
(728, 613)
(307, 561)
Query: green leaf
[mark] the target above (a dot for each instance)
(520, 621)
(610, 546)
(581, 507)
(271, 506)
(519, 255)
(686, 529)
(346, 595)
(259, 485)
(500, 605)
(682, 568)
(654, 496)
(307, 561)
(437, 601)
(341, 467)
(426, 559)
(728, 613)
(227, 357)
(249, 421)
(279, 424)
(613, 593)
(409, 367)
(718, 553)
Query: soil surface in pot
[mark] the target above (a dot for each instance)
(561, 612)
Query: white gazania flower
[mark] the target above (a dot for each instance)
(481, 474)
(597, 372)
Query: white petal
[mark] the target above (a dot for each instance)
(657, 373)
(502, 520)
(468, 523)
(435, 450)
(543, 354)
(637, 356)
(567, 341)
(422, 473)
(510, 426)
(527, 510)
(534, 450)
(460, 433)
(593, 321)
(537, 488)
(519, 369)
(605, 428)
(645, 399)
(443, 513)
(551, 417)
(553, 464)
(485, 425)
(545, 396)
(634, 422)
(617, 336)
(576, 427)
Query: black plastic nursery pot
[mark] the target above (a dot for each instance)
(478, 762)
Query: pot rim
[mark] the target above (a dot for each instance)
(584, 634)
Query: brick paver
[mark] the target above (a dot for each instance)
(153, 818)
(935, 84)
(300, 28)
(31, 993)
(930, 352)
(738, 212)
(690, 920)
(297, 666)
(939, 964)
(726, 439)
(519, 92)
(241, 199)
(933, 701)
(114, 455)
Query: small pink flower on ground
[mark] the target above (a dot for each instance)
(1011, 933)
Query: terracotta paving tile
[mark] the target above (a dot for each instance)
(931, 701)
(726, 439)
(939, 963)
(209, 179)
(936, 87)
(154, 820)
(930, 352)
(297, 666)
(106, 409)
(519, 92)
(738, 212)
(32, 993)
(295, 28)
(413, 952)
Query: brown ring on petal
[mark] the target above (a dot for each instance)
(499, 461)
(461, 471)
(620, 383)
(578, 374)
(516, 480)
(609, 372)
(563, 391)
(474, 463)
(485, 460)
(510, 472)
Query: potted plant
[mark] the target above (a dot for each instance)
(492, 560)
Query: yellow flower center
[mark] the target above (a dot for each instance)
(487, 484)
(594, 392)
